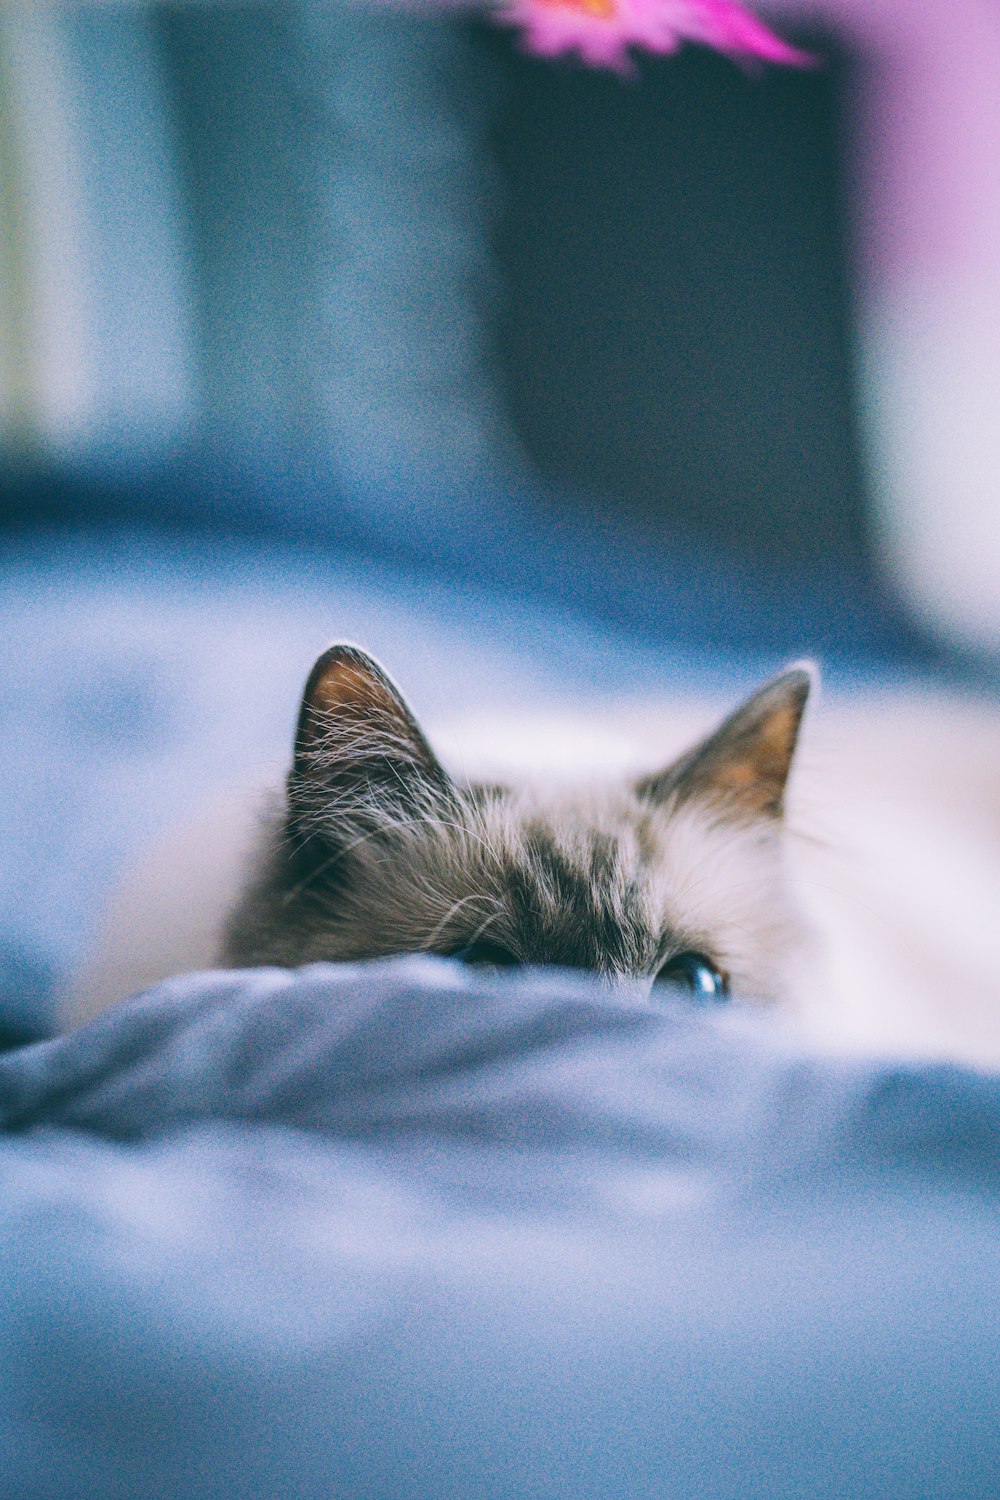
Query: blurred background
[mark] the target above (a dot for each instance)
(326, 319)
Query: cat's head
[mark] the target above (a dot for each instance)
(383, 852)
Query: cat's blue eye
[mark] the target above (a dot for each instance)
(484, 954)
(697, 976)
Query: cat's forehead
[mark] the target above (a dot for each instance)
(593, 835)
(570, 869)
(571, 810)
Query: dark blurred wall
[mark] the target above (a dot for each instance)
(675, 332)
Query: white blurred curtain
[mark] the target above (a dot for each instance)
(922, 132)
(95, 340)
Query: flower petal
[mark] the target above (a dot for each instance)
(601, 32)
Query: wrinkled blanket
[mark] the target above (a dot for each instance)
(396, 1230)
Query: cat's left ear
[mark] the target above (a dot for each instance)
(743, 766)
(358, 743)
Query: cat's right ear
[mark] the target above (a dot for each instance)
(743, 767)
(358, 747)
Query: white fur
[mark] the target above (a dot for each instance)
(725, 887)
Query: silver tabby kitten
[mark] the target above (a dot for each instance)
(378, 850)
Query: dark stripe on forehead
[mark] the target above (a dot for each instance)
(577, 912)
(556, 871)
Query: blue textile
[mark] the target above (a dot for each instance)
(396, 1230)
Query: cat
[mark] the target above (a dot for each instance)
(856, 899)
(677, 875)
(374, 848)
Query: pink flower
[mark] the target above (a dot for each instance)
(602, 31)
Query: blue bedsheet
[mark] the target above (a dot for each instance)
(395, 1230)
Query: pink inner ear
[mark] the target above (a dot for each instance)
(345, 685)
(772, 748)
(349, 692)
